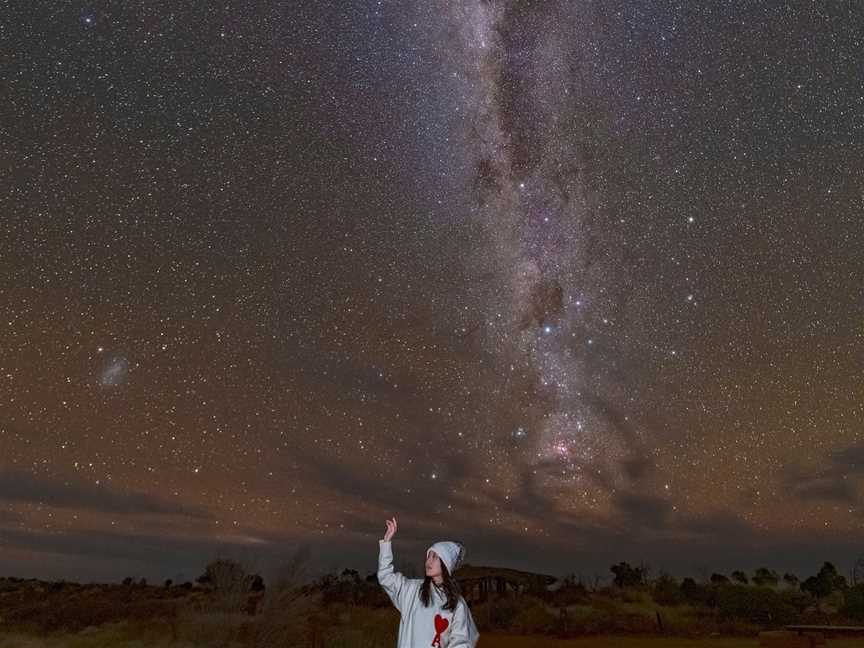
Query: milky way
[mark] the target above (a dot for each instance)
(532, 196)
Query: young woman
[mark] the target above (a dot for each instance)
(434, 613)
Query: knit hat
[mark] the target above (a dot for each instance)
(452, 554)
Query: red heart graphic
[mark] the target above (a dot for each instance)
(440, 626)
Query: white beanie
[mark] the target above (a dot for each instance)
(451, 553)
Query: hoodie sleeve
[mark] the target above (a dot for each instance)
(394, 583)
(464, 633)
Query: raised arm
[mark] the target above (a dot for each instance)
(394, 583)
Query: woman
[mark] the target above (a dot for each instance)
(434, 613)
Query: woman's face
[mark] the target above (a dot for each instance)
(433, 565)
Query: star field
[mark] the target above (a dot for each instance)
(571, 282)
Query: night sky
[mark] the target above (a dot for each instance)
(570, 282)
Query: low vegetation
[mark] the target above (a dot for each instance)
(228, 607)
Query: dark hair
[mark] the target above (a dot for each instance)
(449, 587)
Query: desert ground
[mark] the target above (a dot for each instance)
(120, 637)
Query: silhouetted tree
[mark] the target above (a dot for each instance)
(168, 583)
(350, 574)
(222, 573)
(825, 582)
(718, 579)
(231, 585)
(765, 576)
(791, 580)
(740, 577)
(627, 576)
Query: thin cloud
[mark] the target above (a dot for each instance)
(24, 487)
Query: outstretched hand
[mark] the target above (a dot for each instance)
(391, 529)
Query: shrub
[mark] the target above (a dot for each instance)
(502, 611)
(757, 604)
(632, 595)
(693, 592)
(854, 607)
(534, 618)
(570, 594)
(666, 591)
(835, 601)
(585, 619)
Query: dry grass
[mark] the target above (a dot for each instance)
(125, 636)
(106, 637)
(288, 619)
(506, 641)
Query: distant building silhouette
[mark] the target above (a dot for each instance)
(477, 583)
